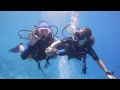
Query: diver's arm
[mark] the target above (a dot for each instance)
(62, 41)
(33, 38)
(100, 63)
(50, 51)
(55, 44)
(103, 67)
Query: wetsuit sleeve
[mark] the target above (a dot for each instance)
(62, 47)
(25, 53)
(66, 40)
(93, 54)
(61, 52)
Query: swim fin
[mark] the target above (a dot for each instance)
(16, 49)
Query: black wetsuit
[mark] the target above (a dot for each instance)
(37, 51)
(72, 49)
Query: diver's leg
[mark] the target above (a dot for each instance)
(18, 48)
(21, 48)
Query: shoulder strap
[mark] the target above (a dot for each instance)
(84, 64)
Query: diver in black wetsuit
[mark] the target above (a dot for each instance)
(77, 47)
(39, 40)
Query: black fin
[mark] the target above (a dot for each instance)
(15, 49)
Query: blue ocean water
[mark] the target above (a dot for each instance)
(105, 29)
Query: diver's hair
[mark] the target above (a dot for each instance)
(88, 31)
(92, 40)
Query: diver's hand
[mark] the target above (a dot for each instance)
(33, 38)
(110, 76)
(50, 51)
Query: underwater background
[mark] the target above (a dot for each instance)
(105, 26)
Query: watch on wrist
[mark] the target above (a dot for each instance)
(108, 72)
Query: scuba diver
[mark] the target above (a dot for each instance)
(39, 39)
(78, 46)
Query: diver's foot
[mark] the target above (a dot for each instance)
(16, 48)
